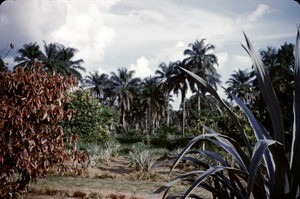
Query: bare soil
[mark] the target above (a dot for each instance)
(114, 179)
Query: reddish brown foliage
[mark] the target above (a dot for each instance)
(31, 139)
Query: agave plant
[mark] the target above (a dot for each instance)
(267, 170)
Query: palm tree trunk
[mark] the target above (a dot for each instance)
(123, 120)
(183, 118)
(199, 107)
(199, 100)
(168, 109)
(150, 119)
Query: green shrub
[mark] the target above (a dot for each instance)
(164, 136)
(91, 122)
(130, 137)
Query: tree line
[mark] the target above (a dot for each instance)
(144, 104)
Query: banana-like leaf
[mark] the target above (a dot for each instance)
(295, 150)
(214, 93)
(267, 93)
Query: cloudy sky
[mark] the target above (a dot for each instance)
(140, 34)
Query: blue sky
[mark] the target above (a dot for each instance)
(140, 34)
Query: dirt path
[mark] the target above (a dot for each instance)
(112, 180)
(67, 186)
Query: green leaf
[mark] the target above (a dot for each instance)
(267, 93)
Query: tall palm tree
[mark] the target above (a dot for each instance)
(97, 82)
(198, 56)
(29, 54)
(164, 75)
(200, 61)
(153, 98)
(240, 84)
(124, 88)
(179, 83)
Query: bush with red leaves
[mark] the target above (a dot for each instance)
(31, 139)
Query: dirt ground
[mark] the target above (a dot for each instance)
(114, 179)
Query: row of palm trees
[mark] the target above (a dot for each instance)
(147, 102)
(141, 103)
(56, 59)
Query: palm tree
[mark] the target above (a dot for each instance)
(124, 89)
(97, 82)
(240, 84)
(269, 56)
(68, 66)
(3, 67)
(153, 98)
(202, 63)
(164, 75)
(29, 54)
(58, 59)
(178, 81)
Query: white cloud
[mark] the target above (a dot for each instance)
(222, 59)
(142, 34)
(86, 29)
(241, 62)
(256, 14)
(26, 21)
(142, 67)
(179, 44)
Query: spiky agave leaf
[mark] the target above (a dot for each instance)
(267, 92)
(281, 180)
(232, 184)
(223, 141)
(295, 150)
(260, 134)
